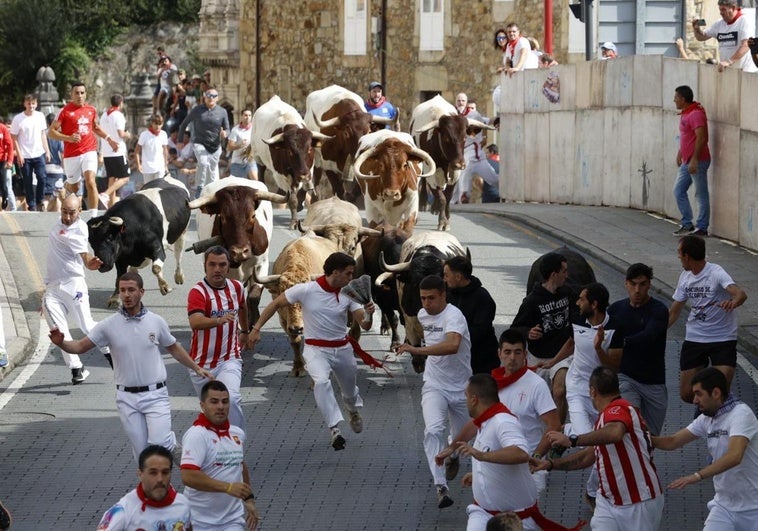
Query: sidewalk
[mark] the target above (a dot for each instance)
(620, 237)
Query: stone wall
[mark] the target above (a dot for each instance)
(613, 136)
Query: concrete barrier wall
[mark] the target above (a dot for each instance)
(613, 136)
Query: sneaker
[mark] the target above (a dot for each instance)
(683, 231)
(699, 232)
(443, 497)
(356, 422)
(3, 358)
(104, 199)
(452, 465)
(79, 375)
(338, 441)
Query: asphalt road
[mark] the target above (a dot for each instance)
(64, 458)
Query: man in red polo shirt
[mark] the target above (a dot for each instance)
(76, 125)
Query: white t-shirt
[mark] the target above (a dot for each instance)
(707, 322)
(736, 488)
(236, 135)
(324, 313)
(730, 37)
(28, 130)
(65, 245)
(585, 357)
(134, 346)
(113, 123)
(128, 514)
(218, 458)
(499, 487)
(528, 398)
(451, 372)
(514, 54)
(152, 151)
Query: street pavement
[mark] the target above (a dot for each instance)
(66, 459)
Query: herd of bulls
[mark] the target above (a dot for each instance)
(326, 153)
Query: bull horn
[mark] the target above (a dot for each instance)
(384, 276)
(302, 228)
(318, 230)
(265, 280)
(274, 139)
(329, 123)
(115, 220)
(263, 195)
(318, 135)
(363, 157)
(96, 224)
(202, 201)
(366, 231)
(383, 121)
(480, 125)
(423, 155)
(427, 127)
(394, 268)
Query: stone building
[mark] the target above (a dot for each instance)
(258, 48)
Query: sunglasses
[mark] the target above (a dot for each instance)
(209, 95)
(502, 38)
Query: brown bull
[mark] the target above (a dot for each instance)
(300, 261)
(339, 221)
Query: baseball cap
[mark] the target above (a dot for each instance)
(612, 47)
(729, 3)
(374, 84)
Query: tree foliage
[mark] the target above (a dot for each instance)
(67, 35)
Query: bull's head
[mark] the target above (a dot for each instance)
(394, 162)
(347, 237)
(445, 140)
(292, 153)
(105, 238)
(235, 208)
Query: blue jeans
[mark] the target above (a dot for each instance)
(684, 180)
(37, 166)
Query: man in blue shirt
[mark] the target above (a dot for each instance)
(378, 105)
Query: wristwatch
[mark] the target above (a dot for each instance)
(573, 439)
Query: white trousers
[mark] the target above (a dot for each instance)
(583, 416)
(146, 418)
(64, 299)
(480, 167)
(722, 519)
(444, 411)
(478, 518)
(642, 516)
(320, 362)
(207, 164)
(216, 527)
(230, 373)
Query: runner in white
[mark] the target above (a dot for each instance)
(327, 347)
(116, 163)
(526, 395)
(66, 291)
(218, 318)
(154, 504)
(731, 431)
(134, 335)
(213, 467)
(631, 496)
(448, 368)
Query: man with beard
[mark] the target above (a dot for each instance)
(731, 431)
(378, 105)
(154, 504)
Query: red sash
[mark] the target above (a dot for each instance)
(542, 521)
(367, 358)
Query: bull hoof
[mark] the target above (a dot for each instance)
(113, 302)
(179, 278)
(165, 290)
(418, 365)
(297, 372)
(395, 344)
(293, 224)
(384, 330)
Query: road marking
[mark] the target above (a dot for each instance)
(748, 367)
(31, 367)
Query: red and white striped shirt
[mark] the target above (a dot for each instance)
(626, 469)
(214, 345)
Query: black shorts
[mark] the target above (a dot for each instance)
(697, 355)
(116, 167)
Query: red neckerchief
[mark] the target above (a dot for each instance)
(156, 133)
(244, 128)
(147, 502)
(376, 105)
(504, 380)
(694, 106)
(512, 45)
(465, 112)
(738, 15)
(493, 410)
(221, 431)
(111, 110)
(321, 281)
(543, 522)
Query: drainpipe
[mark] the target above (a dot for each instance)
(258, 10)
(548, 44)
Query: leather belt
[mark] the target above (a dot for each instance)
(142, 389)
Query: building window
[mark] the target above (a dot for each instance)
(431, 26)
(355, 27)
